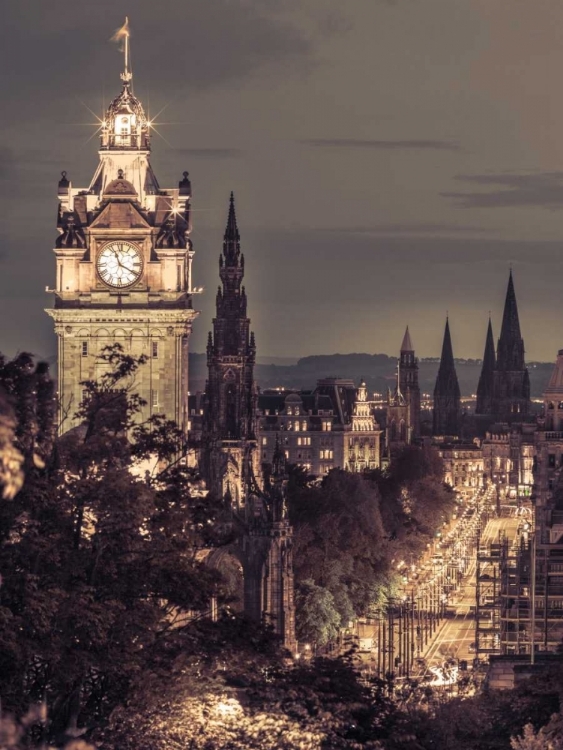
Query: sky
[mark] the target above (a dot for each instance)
(391, 159)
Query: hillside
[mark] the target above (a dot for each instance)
(378, 370)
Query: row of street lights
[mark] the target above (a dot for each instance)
(408, 623)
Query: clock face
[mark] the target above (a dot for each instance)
(120, 264)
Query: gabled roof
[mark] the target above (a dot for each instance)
(120, 215)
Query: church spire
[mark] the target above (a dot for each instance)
(485, 387)
(446, 391)
(408, 382)
(407, 346)
(510, 352)
(511, 399)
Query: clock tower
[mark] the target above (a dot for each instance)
(124, 268)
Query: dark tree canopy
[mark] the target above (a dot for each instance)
(98, 552)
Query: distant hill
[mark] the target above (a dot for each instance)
(378, 370)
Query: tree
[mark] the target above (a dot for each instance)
(98, 549)
(415, 501)
(339, 553)
(319, 619)
(228, 686)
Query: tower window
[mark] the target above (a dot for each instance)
(154, 351)
(84, 348)
(178, 278)
(154, 398)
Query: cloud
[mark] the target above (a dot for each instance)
(543, 189)
(421, 228)
(384, 145)
(205, 45)
(209, 153)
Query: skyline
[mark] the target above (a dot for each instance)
(358, 169)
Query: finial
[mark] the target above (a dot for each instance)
(123, 34)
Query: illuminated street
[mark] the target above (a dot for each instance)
(455, 639)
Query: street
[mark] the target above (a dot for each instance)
(455, 639)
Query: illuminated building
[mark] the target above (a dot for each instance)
(463, 466)
(123, 268)
(330, 427)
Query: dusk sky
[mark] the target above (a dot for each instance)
(390, 160)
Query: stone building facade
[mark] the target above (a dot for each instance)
(330, 427)
(124, 269)
(463, 466)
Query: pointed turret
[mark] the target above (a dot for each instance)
(511, 399)
(485, 388)
(446, 391)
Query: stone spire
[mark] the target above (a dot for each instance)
(511, 399)
(485, 388)
(407, 346)
(230, 415)
(510, 351)
(446, 391)
(408, 383)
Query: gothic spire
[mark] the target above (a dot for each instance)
(485, 387)
(231, 238)
(446, 391)
(510, 351)
(407, 346)
(447, 364)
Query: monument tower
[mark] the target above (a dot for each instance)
(124, 267)
(230, 457)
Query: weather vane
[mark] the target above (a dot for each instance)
(122, 37)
